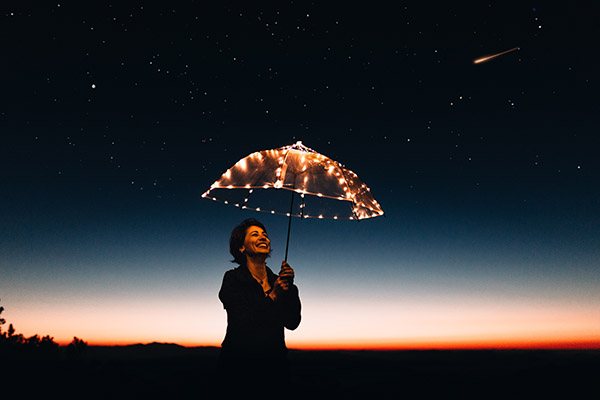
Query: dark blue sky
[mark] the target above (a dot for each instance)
(116, 118)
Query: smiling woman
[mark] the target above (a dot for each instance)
(259, 306)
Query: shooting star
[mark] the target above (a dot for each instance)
(487, 58)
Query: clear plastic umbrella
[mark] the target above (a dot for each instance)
(255, 183)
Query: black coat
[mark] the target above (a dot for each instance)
(255, 323)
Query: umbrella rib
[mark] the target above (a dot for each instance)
(352, 199)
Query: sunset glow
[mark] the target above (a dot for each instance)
(450, 321)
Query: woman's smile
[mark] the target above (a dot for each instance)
(256, 241)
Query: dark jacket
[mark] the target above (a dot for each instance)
(255, 323)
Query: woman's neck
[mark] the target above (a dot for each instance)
(257, 267)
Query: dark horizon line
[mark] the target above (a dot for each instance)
(594, 347)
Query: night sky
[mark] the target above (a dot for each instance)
(115, 118)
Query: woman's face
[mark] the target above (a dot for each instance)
(256, 242)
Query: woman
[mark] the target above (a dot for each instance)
(259, 306)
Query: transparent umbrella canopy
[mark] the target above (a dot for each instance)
(263, 181)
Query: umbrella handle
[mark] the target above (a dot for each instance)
(287, 243)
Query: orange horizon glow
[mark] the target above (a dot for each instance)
(452, 324)
(567, 343)
(593, 344)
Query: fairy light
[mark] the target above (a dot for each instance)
(300, 159)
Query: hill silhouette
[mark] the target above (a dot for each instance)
(166, 370)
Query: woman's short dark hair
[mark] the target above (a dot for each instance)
(236, 240)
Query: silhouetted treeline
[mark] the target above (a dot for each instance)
(14, 344)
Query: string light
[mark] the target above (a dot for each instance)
(316, 170)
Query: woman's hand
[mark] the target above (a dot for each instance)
(285, 279)
(286, 273)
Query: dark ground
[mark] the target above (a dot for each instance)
(171, 371)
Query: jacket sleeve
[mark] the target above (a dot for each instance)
(238, 302)
(291, 308)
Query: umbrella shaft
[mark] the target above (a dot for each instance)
(287, 243)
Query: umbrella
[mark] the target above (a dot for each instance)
(336, 192)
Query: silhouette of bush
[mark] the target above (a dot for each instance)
(76, 349)
(34, 347)
(2, 322)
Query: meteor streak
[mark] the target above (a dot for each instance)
(487, 58)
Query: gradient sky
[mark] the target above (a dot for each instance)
(115, 119)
